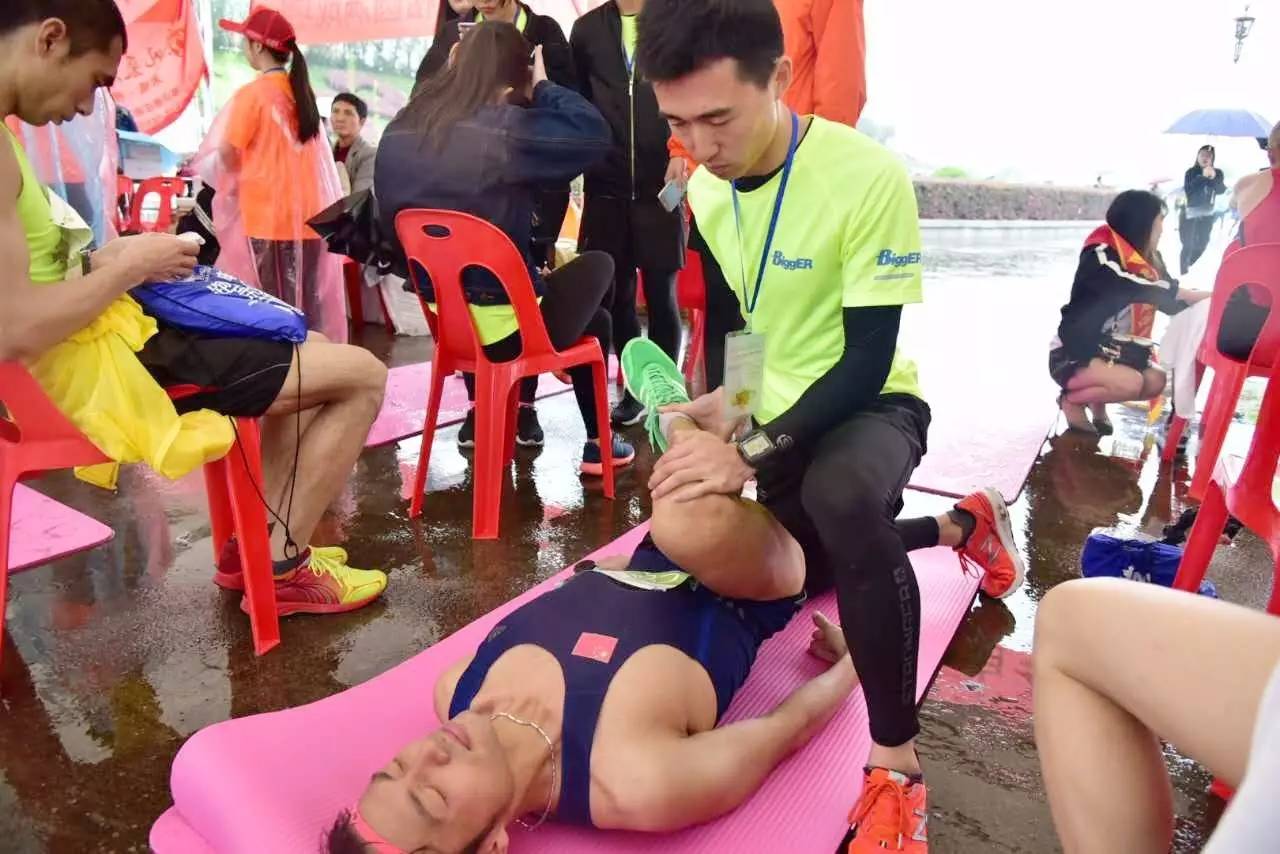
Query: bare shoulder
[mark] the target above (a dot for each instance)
(10, 174)
(1250, 190)
(446, 684)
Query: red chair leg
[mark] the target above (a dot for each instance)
(220, 519)
(244, 482)
(1176, 428)
(1205, 533)
(493, 413)
(509, 420)
(600, 381)
(386, 312)
(438, 374)
(1223, 397)
(6, 521)
(697, 346)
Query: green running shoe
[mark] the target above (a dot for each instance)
(655, 381)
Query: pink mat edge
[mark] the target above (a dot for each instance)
(955, 599)
(93, 533)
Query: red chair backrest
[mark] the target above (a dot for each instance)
(691, 288)
(444, 243)
(1258, 269)
(167, 189)
(31, 414)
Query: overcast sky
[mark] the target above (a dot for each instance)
(1066, 90)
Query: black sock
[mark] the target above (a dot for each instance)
(965, 520)
(289, 564)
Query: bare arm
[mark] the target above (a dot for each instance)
(35, 317)
(693, 779)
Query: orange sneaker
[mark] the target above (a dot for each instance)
(891, 815)
(990, 545)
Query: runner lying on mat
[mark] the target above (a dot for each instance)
(597, 702)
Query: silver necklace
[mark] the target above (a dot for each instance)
(551, 794)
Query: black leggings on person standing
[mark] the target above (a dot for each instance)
(660, 304)
(839, 500)
(571, 308)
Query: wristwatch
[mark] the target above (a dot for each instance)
(86, 261)
(755, 447)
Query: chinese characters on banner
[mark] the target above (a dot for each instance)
(163, 67)
(318, 21)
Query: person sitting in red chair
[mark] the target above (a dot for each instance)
(55, 56)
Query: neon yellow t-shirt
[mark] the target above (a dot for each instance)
(629, 37)
(848, 236)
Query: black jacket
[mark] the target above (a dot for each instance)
(1101, 290)
(596, 43)
(491, 166)
(540, 30)
(1201, 190)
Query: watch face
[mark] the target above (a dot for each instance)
(757, 444)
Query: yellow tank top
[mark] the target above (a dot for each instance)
(44, 237)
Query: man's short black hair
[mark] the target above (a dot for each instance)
(358, 103)
(342, 838)
(678, 37)
(91, 24)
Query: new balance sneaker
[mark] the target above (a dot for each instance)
(627, 412)
(593, 463)
(655, 381)
(229, 573)
(325, 585)
(991, 545)
(467, 432)
(528, 430)
(891, 815)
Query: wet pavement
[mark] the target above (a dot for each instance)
(113, 657)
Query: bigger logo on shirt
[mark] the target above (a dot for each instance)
(888, 258)
(780, 260)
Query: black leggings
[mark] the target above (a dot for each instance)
(724, 315)
(570, 309)
(839, 501)
(660, 299)
(1194, 235)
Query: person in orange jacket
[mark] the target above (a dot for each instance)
(827, 44)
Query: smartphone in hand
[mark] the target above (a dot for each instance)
(465, 27)
(671, 195)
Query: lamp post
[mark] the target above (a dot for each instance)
(1244, 24)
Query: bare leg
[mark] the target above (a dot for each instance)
(1103, 382)
(343, 385)
(1119, 666)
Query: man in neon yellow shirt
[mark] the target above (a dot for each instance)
(815, 228)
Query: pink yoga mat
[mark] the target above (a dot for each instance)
(259, 783)
(44, 531)
(404, 407)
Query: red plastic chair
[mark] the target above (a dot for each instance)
(1244, 488)
(124, 202)
(353, 278)
(1258, 268)
(443, 243)
(167, 189)
(691, 296)
(36, 437)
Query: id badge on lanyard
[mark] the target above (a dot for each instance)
(744, 352)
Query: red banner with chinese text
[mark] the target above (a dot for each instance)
(322, 21)
(162, 69)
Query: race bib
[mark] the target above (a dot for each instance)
(743, 373)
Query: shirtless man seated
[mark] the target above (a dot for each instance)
(54, 56)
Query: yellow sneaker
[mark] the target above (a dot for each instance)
(324, 584)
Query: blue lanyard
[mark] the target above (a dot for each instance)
(750, 303)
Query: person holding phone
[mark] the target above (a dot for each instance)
(623, 215)
(483, 137)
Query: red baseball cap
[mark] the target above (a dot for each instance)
(264, 25)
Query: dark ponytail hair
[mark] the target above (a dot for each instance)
(304, 97)
(494, 55)
(1132, 215)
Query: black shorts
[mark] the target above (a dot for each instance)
(898, 451)
(1062, 367)
(240, 377)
